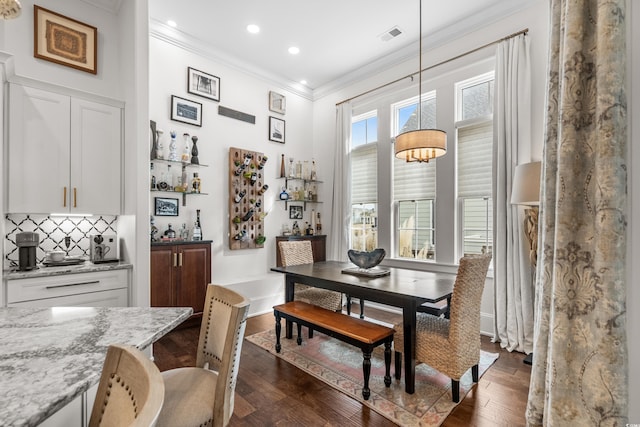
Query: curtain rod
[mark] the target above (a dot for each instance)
(525, 31)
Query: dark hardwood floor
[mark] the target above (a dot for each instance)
(272, 392)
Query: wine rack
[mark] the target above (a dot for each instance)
(246, 199)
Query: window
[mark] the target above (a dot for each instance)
(414, 185)
(364, 182)
(475, 151)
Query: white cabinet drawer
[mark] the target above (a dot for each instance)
(112, 298)
(38, 288)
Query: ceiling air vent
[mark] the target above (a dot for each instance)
(390, 33)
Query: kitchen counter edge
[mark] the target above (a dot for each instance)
(87, 267)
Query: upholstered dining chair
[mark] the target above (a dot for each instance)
(130, 391)
(297, 252)
(452, 345)
(204, 395)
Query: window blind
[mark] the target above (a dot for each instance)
(364, 174)
(413, 181)
(475, 147)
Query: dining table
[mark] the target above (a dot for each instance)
(50, 357)
(397, 287)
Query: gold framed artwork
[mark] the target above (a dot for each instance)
(64, 41)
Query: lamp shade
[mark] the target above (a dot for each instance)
(526, 184)
(421, 145)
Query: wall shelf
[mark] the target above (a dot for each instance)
(305, 186)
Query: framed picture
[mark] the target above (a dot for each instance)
(295, 212)
(65, 41)
(277, 102)
(186, 111)
(203, 84)
(276, 129)
(166, 207)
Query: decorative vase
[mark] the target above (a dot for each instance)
(159, 146)
(173, 153)
(366, 260)
(154, 141)
(194, 151)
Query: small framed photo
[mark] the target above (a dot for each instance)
(295, 212)
(277, 102)
(167, 207)
(186, 111)
(203, 84)
(65, 41)
(276, 129)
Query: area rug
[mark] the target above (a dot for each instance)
(340, 365)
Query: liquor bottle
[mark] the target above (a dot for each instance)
(313, 219)
(262, 162)
(173, 154)
(169, 179)
(282, 173)
(185, 180)
(153, 179)
(306, 172)
(318, 224)
(248, 215)
(197, 229)
(170, 233)
(195, 183)
(184, 233)
(299, 169)
(187, 151)
(239, 196)
(292, 170)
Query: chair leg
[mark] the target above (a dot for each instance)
(474, 373)
(398, 365)
(299, 340)
(455, 391)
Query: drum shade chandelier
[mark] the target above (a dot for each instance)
(421, 145)
(10, 9)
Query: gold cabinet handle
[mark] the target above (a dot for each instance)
(180, 259)
(175, 260)
(64, 198)
(75, 197)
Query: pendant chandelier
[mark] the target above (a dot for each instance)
(10, 9)
(421, 145)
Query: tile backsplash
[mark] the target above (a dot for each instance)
(52, 231)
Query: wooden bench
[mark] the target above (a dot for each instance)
(357, 332)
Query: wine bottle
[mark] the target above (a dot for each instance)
(197, 228)
(239, 196)
(248, 215)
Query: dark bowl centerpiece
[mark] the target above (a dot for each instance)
(366, 260)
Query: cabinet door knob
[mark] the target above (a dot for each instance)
(64, 198)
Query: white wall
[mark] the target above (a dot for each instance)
(238, 91)
(534, 18)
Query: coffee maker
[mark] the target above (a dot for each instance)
(27, 243)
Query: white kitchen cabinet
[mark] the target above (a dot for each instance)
(93, 289)
(64, 154)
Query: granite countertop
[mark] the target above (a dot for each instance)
(50, 356)
(85, 267)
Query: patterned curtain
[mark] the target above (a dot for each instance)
(580, 364)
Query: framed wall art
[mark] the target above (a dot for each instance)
(167, 206)
(295, 212)
(276, 129)
(65, 41)
(203, 84)
(186, 111)
(277, 102)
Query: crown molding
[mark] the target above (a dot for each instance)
(198, 47)
(112, 6)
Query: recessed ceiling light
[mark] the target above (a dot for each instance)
(172, 23)
(294, 50)
(253, 29)
(304, 82)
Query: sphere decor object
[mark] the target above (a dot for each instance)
(366, 260)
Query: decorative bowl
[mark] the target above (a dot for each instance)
(366, 260)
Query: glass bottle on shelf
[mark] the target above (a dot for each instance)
(196, 183)
(314, 173)
(184, 233)
(170, 233)
(282, 173)
(173, 154)
(318, 224)
(153, 179)
(187, 151)
(299, 169)
(292, 171)
(185, 180)
(306, 172)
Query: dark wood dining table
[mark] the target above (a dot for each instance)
(403, 288)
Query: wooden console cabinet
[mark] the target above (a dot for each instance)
(180, 273)
(318, 246)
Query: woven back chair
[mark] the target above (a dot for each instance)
(297, 252)
(452, 345)
(204, 395)
(130, 392)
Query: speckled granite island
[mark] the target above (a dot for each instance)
(50, 356)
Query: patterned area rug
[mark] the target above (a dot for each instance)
(340, 365)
